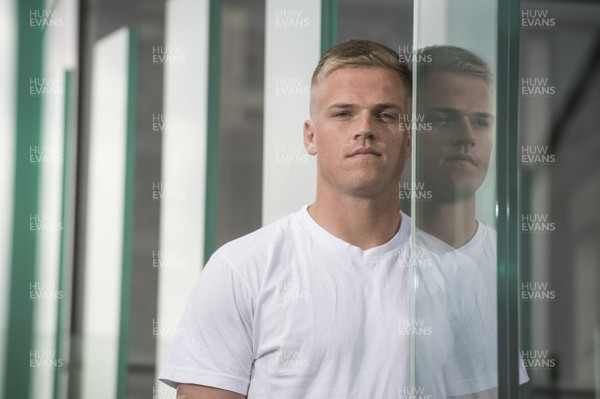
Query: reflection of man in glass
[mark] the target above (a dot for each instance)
(455, 97)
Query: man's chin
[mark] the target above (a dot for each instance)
(453, 194)
(369, 189)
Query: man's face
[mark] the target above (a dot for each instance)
(455, 154)
(356, 133)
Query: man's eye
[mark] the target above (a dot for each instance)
(388, 117)
(439, 120)
(342, 114)
(483, 123)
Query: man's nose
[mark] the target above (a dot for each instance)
(465, 134)
(365, 126)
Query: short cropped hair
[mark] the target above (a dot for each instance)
(446, 58)
(357, 53)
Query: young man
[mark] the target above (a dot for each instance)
(318, 305)
(455, 96)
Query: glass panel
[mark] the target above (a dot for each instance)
(182, 126)
(59, 46)
(292, 29)
(453, 200)
(240, 152)
(104, 246)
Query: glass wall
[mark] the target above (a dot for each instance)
(453, 196)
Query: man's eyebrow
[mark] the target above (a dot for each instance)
(377, 106)
(388, 106)
(342, 105)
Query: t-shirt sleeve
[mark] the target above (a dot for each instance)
(213, 346)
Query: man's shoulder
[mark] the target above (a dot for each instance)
(264, 241)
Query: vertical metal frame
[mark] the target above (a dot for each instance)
(64, 273)
(213, 129)
(329, 24)
(132, 72)
(507, 205)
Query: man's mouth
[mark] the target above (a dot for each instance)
(365, 151)
(461, 157)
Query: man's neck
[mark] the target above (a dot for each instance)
(362, 222)
(452, 222)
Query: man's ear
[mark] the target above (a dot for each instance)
(310, 142)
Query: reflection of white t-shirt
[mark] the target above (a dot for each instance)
(291, 311)
(482, 250)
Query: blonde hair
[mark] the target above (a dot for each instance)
(357, 53)
(453, 59)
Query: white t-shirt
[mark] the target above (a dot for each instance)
(482, 250)
(291, 311)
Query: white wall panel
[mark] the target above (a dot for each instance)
(292, 51)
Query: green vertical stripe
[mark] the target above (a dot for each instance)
(212, 131)
(507, 170)
(525, 272)
(329, 18)
(61, 330)
(123, 357)
(26, 192)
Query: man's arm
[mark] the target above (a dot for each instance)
(191, 391)
(213, 345)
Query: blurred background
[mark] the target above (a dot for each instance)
(138, 136)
